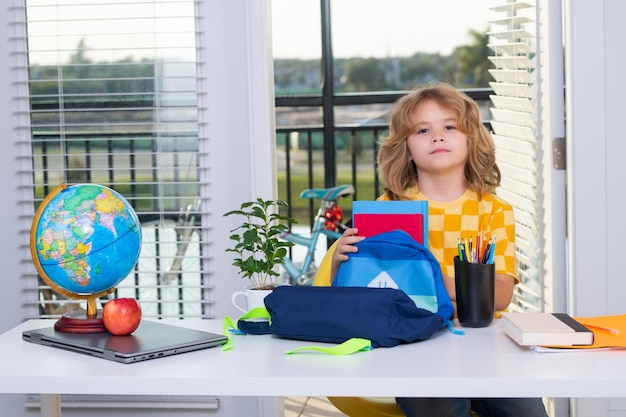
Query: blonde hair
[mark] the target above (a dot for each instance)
(395, 165)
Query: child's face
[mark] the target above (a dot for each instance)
(436, 145)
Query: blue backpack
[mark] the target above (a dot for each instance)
(390, 292)
(395, 260)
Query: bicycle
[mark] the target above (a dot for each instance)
(328, 222)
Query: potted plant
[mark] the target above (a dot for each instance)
(257, 244)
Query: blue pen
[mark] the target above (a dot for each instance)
(493, 249)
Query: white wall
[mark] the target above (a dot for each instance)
(11, 250)
(11, 243)
(240, 126)
(595, 88)
(238, 91)
(596, 148)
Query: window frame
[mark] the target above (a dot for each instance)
(238, 106)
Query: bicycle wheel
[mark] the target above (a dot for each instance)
(168, 280)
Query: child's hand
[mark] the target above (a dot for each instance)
(345, 245)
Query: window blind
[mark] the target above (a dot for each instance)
(112, 93)
(515, 132)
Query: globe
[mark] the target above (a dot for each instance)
(85, 239)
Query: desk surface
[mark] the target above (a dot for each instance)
(483, 362)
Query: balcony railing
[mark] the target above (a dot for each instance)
(310, 154)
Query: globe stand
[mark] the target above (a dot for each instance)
(82, 321)
(78, 322)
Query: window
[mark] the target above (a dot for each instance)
(482, 47)
(113, 101)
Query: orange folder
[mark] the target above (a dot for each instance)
(608, 332)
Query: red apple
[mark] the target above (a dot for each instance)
(121, 316)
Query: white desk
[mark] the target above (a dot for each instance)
(482, 363)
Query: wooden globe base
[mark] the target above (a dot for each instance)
(82, 321)
(78, 321)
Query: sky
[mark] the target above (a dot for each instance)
(360, 28)
(377, 28)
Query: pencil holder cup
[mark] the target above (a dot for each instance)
(475, 292)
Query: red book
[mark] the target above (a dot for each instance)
(374, 217)
(373, 224)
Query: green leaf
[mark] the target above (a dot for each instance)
(259, 247)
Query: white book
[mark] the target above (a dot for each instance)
(546, 329)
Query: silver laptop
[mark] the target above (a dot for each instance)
(151, 340)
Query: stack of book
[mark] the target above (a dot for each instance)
(374, 217)
(560, 330)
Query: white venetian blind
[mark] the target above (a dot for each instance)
(112, 93)
(514, 112)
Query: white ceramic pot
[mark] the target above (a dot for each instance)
(249, 298)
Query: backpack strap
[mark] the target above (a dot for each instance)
(348, 347)
(246, 326)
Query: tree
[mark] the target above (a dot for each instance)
(473, 62)
(80, 56)
(365, 74)
(425, 67)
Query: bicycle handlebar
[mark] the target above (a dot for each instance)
(328, 194)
